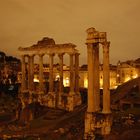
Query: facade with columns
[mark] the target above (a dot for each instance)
(93, 42)
(43, 47)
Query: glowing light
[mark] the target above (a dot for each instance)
(118, 75)
(66, 82)
(57, 77)
(101, 83)
(85, 83)
(115, 87)
(127, 79)
(36, 80)
(135, 76)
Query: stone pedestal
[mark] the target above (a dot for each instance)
(106, 125)
(51, 100)
(89, 126)
(70, 102)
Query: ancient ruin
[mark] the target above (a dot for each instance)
(97, 118)
(48, 46)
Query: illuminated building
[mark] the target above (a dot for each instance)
(128, 70)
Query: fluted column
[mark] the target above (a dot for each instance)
(91, 93)
(51, 73)
(41, 85)
(61, 77)
(106, 81)
(71, 75)
(77, 72)
(96, 77)
(23, 82)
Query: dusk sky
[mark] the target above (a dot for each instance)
(24, 22)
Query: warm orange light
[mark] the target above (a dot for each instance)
(66, 82)
(85, 83)
(36, 80)
(135, 76)
(127, 79)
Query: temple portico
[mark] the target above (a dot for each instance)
(48, 47)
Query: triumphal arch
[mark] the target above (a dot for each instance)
(48, 47)
(98, 114)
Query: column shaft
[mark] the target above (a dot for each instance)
(96, 77)
(51, 73)
(106, 80)
(61, 73)
(32, 73)
(91, 94)
(29, 72)
(23, 84)
(71, 74)
(41, 86)
(77, 72)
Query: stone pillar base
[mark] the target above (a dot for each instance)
(70, 102)
(24, 91)
(59, 101)
(89, 126)
(51, 100)
(106, 125)
(77, 99)
(106, 111)
(41, 92)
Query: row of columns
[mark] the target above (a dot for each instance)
(74, 74)
(94, 39)
(93, 78)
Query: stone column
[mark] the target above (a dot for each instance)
(90, 115)
(41, 85)
(77, 100)
(71, 75)
(51, 96)
(106, 80)
(23, 82)
(29, 73)
(91, 93)
(70, 98)
(51, 85)
(32, 73)
(96, 77)
(77, 73)
(61, 78)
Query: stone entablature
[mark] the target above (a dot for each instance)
(48, 48)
